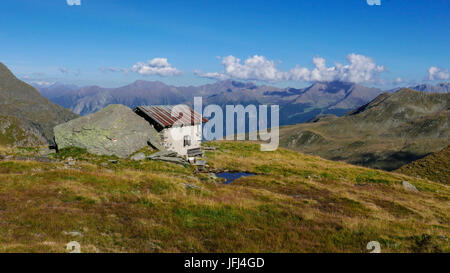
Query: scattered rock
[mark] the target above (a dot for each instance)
(114, 130)
(46, 152)
(44, 159)
(409, 187)
(168, 156)
(189, 186)
(200, 163)
(73, 233)
(70, 161)
(138, 157)
(152, 246)
(213, 176)
(163, 153)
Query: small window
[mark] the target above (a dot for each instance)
(187, 141)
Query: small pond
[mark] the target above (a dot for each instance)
(230, 177)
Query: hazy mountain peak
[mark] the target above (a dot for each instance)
(331, 87)
(443, 87)
(148, 83)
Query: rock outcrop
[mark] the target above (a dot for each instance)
(114, 130)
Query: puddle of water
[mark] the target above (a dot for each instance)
(230, 177)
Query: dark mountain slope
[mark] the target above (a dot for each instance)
(434, 167)
(36, 114)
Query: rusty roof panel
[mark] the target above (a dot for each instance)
(162, 114)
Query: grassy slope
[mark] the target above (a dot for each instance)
(296, 203)
(392, 130)
(434, 167)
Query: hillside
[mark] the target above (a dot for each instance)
(390, 131)
(434, 167)
(294, 203)
(13, 132)
(37, 114)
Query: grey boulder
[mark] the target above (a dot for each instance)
(138, 157)
(114, 130)
(409, 187)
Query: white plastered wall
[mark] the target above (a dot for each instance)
(173, 138)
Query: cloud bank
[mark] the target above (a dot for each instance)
(438, 74)
(360, 69)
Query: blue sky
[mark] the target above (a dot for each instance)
(197, 42)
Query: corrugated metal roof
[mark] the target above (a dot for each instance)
(162, 114)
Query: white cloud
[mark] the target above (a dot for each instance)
(73, 2)
(359, 70)
(438, 74)
(254, 68)
(156, 66)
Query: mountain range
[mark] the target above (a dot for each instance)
(26, 117)
(443, 87)
(390, 131)
(296, 105)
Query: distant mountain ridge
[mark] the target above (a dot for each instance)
(443, 87)
(55, 89)
(25, 112)
(297, 105)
